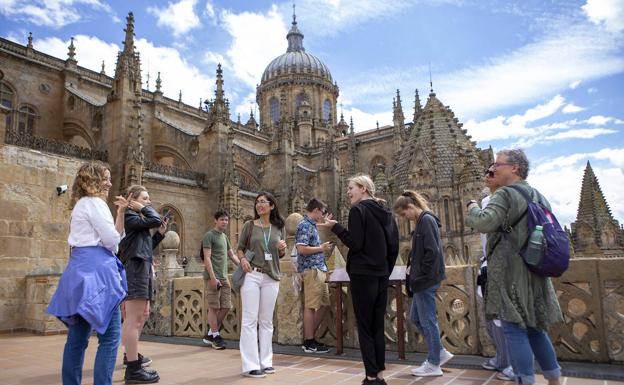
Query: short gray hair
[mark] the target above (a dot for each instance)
(516, 156)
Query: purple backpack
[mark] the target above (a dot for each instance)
(556, 257)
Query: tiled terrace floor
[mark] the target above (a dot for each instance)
(29, 359)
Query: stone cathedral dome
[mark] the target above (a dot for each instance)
(296, 60)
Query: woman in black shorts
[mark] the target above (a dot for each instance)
(140, 217)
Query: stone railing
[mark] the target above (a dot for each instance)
(591, 294)
(157, 168)
(54, 146)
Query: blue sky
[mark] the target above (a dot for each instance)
(544, 75)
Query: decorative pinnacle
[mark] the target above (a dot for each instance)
(72, 50)
(158, 82)
(30, 40)
(129, 39)
(180, 97)
(294, 15)
(103, 71)
(251, 113)
(351, 129)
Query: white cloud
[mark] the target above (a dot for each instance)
(180, 17)
(257, 38)
(575, 84)
(213, 58)
(90, 51)
(584, 133)
(50, 13)
(176, 72)
(599, 120)
(363, 121)
(609, 13)
(209, 9)
(572, 108)
(567, 171)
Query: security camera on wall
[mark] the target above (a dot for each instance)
(61, 189)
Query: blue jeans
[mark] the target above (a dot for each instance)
(523, 344)
(424, 315)
(77, 341)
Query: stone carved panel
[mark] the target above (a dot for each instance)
(612, 294)
(54, 146)
(198, 177)
(188, 302)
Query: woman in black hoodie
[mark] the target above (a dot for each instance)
(426, 271)
(373, 241)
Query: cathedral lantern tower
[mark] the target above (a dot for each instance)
(309, 90)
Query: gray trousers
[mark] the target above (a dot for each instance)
(501, 359)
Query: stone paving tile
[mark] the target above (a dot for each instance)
(27, 359)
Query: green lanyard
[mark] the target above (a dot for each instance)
(264, 235)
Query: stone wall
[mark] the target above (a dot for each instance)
(34, 225)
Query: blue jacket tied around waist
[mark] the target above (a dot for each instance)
(92, 285)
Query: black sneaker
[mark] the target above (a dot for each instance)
(218, 343)
(309, 346)
(208, 339)
(145, 361)
(320, 347)
(254, 374)
(269, 370)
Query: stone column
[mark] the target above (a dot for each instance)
(167, 270)
(3, 128)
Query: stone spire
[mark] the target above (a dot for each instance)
(294, 36)
(129, 30)
(103, 70)
(30, 41)
(343, 126)
(219, 107)
(251, 123)
(593, 208)
(417, 107)
(398, 118)
(219, 90)
(595, 232)
(352, 163)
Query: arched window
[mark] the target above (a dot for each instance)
(6, 100)
(326, 109)
(274, 110)
(300, 98)
(447, 217)
(26, 121)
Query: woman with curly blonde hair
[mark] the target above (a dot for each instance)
(94, 282)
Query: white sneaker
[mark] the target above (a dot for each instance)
(427, 370)
(506, 375)
(445, 356)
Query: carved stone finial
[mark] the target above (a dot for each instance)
(103, 71)
(180, 97)
(71, 54)
(30, 40)
(158, 82)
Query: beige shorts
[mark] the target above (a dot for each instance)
(315, 290)
(220, 298)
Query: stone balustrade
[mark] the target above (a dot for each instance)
(591, 294)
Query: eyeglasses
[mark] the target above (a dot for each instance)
(324, 212)
(262, 202)
(489, 173)
(498, 164)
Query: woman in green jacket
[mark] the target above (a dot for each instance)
(525, 303)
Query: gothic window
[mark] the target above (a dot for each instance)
(26, 121)
(174, 224)
(274, 110)
(6, 100)
(326, 109)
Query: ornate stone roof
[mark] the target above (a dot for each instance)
(296, 60)
(438, 139)
(593, 208)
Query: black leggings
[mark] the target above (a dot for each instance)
(370, 297)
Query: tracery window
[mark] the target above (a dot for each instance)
(6, 99)
(326, 109)
(274, 110)
(26, 121)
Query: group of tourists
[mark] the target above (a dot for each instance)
(106, 280)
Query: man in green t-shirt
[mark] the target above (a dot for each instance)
(216, 247)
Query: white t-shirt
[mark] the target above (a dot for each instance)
(92, 225)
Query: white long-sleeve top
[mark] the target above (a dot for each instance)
(92, 225)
